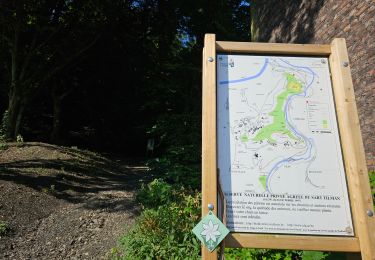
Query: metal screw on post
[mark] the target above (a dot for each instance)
(210, 206)
(345, 64)
(210, 59)
(370, 213)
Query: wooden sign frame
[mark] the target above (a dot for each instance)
(350, 137)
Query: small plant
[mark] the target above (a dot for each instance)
(50, 189)
(19, 139)
(3, 146)
(4, 228)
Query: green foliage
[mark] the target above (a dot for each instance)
(266, 254)
(163, 231)
(372, 184)
(263, 254)
(4, 228)
(238, 253)
(3, 146)
(4, 126)
(187, 176)
(19, 139)
(313, 255)
(171, 202)
(156, 193)
(179, 136)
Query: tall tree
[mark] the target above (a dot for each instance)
(41, 39)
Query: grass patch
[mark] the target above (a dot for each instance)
(4, 228)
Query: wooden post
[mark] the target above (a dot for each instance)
(352, 146)
(209, 166)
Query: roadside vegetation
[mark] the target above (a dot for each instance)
(171, 207)
(4, 228)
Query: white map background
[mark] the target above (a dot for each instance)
(277, 134)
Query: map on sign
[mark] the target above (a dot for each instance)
(279, 152)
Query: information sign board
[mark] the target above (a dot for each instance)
(281, 134)
(279, 151)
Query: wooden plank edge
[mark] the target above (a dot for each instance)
(352, 147)
(274, 48)
(320, 243)
(209, 164)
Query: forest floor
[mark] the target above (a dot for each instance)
(65, 203)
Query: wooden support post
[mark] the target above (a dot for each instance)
(209, 166)
(352, 147)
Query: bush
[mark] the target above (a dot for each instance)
(156, 193)
(268, 254)
(171, 202)
(3, 146)
(179, 137)
(239, 253)
(188, 176)
(163, 231)
(313, 255)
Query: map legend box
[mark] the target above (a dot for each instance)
(318, 116)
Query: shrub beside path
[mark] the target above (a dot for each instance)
(64, 203)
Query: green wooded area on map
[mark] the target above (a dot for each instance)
(278, 125)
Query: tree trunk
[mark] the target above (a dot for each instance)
(12, 119)
(56, 125)
(12, 122)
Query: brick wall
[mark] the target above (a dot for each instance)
(309, 21)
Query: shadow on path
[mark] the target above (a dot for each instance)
(74, 175)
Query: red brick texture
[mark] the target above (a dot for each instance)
(304, 21)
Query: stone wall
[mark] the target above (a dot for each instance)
(309, 21)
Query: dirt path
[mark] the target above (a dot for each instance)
(63, 203)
